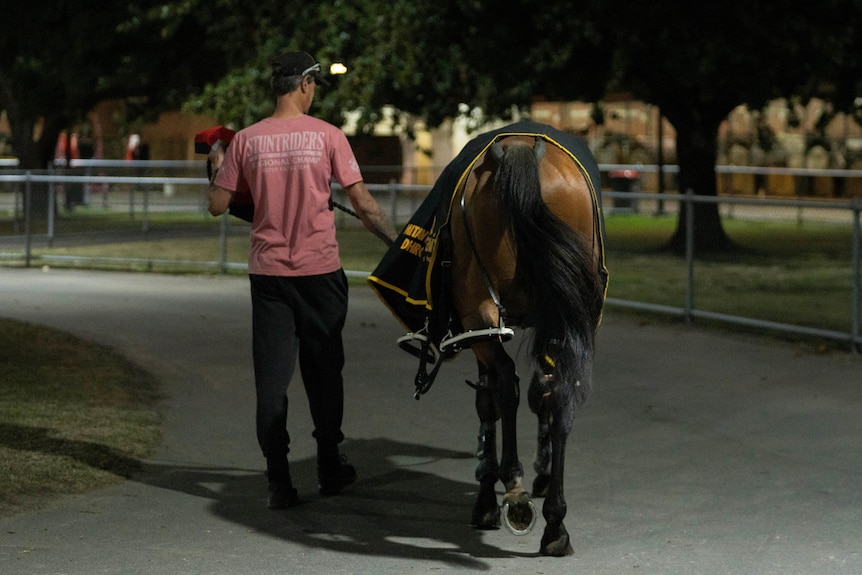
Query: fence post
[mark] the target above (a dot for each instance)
(28, 232)
(393, 198)
(52, 204)
(16, 226)
(689, 255)
(145, 219)
(222, 238)
(857, 239)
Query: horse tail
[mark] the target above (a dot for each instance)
(556, 267)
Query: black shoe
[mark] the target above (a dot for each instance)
(281, 491)
(335, 475)
(282, 495)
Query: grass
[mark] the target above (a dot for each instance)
(182, 240)
(74, 415)
(779, 271)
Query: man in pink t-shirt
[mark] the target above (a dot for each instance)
(298, 289)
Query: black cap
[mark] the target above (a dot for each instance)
(298, 64)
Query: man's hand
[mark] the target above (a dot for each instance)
(370, 213)
(218, 199)
(216, 157)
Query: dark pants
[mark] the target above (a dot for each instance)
(298, 317)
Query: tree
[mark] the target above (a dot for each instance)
(428, 59)
(432, 59)
(698, 62)
(57, 62)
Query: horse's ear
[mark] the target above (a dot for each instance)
(497, 151)
(539, 149)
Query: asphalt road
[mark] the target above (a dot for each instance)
(699, 452)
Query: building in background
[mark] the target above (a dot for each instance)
(619, 130)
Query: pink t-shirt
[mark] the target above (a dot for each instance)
(288, 165)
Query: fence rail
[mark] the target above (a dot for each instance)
(689, 312)
(142, 195)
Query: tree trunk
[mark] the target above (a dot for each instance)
(35, 155)
(696, 152)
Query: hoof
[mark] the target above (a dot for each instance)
(486, 512)
(559, 547)
(486, 519)
(519, 520)
(540, 485)
(519, 513)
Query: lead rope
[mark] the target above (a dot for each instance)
(333, 204)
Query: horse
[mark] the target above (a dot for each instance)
(526, 251)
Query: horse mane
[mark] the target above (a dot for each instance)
(554, 266)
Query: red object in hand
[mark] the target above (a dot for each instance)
(242, 204)
(205, 139)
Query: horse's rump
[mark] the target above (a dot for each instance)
(528, 249)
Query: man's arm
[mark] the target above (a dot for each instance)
(370, 213)
(218, 199)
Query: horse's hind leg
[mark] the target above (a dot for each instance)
(486, 513)
(537, 397)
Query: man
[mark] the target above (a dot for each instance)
(298, 289)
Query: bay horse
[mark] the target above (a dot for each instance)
(527, 251)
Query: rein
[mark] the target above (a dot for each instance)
(485, 277)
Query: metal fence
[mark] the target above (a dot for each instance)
(843, 215)
(146, 188)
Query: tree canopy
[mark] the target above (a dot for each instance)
(434, 59)
(427, 59)
(57, 62)
(696, 62)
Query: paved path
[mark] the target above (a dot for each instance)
(699, 453)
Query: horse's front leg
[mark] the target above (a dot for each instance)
(561, 404)
(486, 513)
(519, 514)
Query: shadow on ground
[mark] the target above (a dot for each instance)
(398, 508)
